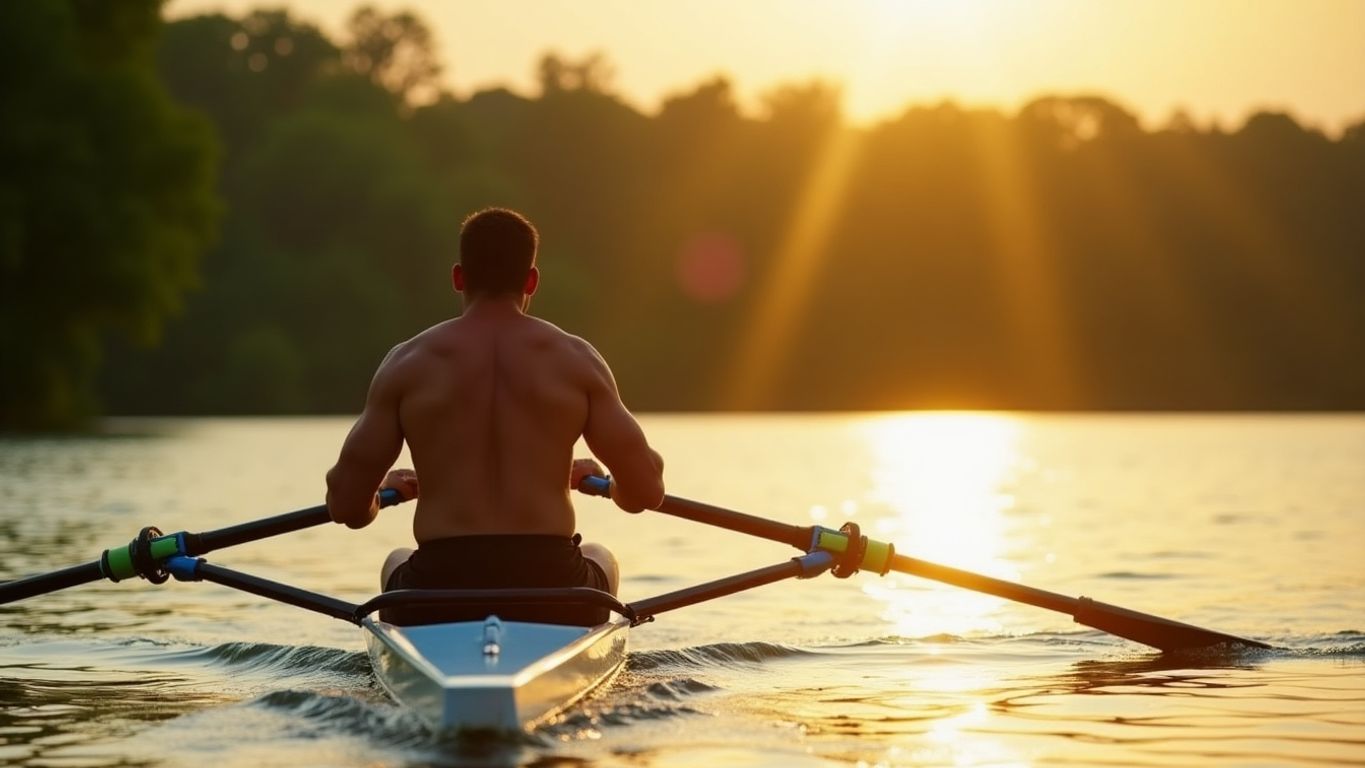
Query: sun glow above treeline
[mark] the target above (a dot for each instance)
(1058, 255)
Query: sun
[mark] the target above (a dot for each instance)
(932, 16)
(924, 50)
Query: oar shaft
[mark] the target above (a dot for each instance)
(191, 569)
(800, 537)
(721, 517)
(979, 583)
(208, 541)
(805, 567)
(76, 575)
(203, 543)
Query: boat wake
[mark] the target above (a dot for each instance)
(1346, 643)
(345, 712)
(292, 696)
(274, 660)
(714, 655)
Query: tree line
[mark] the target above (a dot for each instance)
(1063, 256)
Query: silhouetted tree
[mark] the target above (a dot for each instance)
(594, 73)
(397, 52)
(105, 203)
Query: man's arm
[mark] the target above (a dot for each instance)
(369, 450)
(615, 437)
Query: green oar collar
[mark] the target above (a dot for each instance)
(144, 556)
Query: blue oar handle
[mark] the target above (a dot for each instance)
(595, 485)
(390, 496)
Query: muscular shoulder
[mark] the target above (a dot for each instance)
(574, 353)
(430, 342)
(401, 360)
(550, 335)
(589, 364)
(387, 384)
(403, 353)
(578, 348)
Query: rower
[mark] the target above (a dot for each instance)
(491, 404)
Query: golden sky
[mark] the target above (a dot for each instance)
(1214, 58)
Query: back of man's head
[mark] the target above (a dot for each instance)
(497, 250)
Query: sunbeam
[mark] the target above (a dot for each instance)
(767, 336)
(1022, 248)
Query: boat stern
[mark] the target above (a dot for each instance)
(491, 674)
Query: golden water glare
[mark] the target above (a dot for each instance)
(939, 488)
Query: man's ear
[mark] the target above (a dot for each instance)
(532, 282)
(457, 278)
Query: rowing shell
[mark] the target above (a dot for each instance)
(493, 674)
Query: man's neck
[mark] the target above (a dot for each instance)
(503, 305)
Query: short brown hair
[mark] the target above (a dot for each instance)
(497, 250)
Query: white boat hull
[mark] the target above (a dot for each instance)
(449, 676)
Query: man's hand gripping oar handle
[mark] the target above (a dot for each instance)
(594, 485)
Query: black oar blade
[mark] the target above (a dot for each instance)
(1155, 631)
(1151, 630)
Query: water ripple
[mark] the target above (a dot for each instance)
(268, 658)
(715, 655)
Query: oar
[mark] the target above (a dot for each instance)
(1155, 631)
(144, 556)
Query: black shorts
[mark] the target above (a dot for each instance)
(498, 562)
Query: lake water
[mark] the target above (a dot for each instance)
(1253, 525)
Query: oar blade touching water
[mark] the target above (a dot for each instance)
(1164, 634)
(1155, 631)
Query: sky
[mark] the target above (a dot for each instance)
(1214, 59)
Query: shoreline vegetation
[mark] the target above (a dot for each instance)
(157, 426)
(240, 215)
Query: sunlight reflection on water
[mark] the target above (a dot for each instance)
(938, 480)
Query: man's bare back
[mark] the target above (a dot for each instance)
(491, 405)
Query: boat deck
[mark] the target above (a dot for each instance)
(491, 674)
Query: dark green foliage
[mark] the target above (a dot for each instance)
(337, 239)
(1061, 257)
(105, 203)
